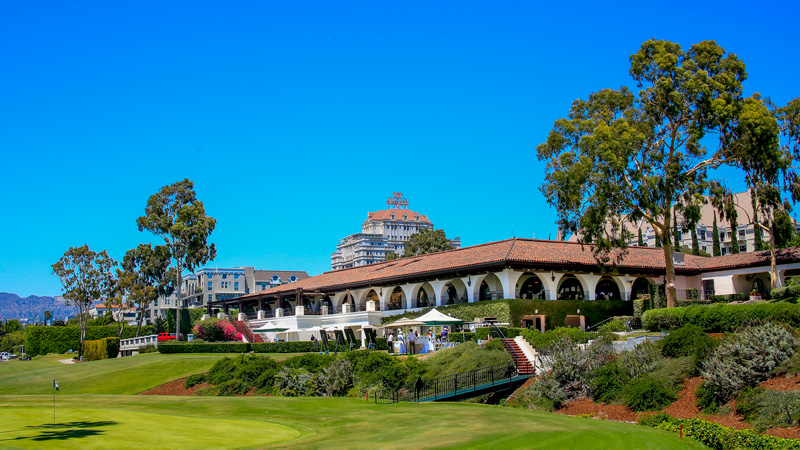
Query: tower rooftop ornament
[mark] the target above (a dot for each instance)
(397, 200)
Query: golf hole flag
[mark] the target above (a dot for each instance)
(55, 384)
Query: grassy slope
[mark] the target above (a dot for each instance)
(129, 375)
(303, 423)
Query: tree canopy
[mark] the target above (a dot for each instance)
(86, 276)
(145, 275)
(427, 241)
(176, 215)
(622, 156)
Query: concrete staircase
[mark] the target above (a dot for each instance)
(524, 366)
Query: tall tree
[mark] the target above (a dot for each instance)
(145, 276)
(725, 204)
(764, 144)
(47, 315)
(621, 157)
(427, 241)
(641, 241)
(715, 238)
(175, 215)
(86, 276)
(757, 230)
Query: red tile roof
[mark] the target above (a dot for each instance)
(525, 253)
(386, 214)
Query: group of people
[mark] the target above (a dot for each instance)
(411, 338)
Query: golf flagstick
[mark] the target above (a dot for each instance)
(55, 388)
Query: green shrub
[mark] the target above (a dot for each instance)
(250, 367)
(312, 362)
(707, 399)
(221, 371)
(43, 340)
(658, 294)
(618, 324)
(233, 387)
(607, 383)
(105, 348)
(719, 317)
(688, 340)
(544, 394)
(720, 437)
(338, 378)
(673, 371)
(194, 380)
(571, 365)
(727, 298)
(541, 340)
(496, 345)
(217, 347)
(777, 409)
(378, 369)
(790, 366)
(640, 305)
(792, 291)
(653, 420)
(648, 394)
(462, 358)
(746, 358)
(292, 382)
(692, 294)
(641, 360)
(747, 402)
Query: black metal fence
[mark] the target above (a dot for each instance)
(450, 385)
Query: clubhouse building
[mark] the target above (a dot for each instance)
(513, 268)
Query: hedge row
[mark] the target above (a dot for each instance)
(238, 347)
(720, 437)
(717, 318)
(785, 292)
(105, 348)
(511, 311)
(43, 340)
(727, 298)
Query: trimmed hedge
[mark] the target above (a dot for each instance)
(238, 347)
(727, 298)
(720, 318)
(785, 292)
(511, 311)
(721, 437)
(43, 340)
(105, 348)
(658, 295)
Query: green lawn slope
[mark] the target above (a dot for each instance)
(129, 375)
(121, 421)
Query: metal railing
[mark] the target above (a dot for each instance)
(451, 385)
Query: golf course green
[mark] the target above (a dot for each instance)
(119, 420)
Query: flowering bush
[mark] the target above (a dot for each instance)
(213, 330)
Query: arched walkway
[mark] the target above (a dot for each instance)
(425, 296)
(607, 289)
(640, 288)
(396, 299)
(490, 288)
(570, 288)
(456, 293)
(532, 287)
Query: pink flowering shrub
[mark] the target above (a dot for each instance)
(213, 330)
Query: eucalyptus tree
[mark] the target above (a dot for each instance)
(176, 215)
(764, 144)
(622, 156)
(86, 276)
(427, 241)
(145, 276)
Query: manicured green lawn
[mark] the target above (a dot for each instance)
(122, 421)
(129, 375)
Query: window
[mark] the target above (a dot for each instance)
(702, 235)
(741, 234)
(743, 248)
(224, 276)
(235, 285)
(210, 276)
(210, 297)
(721, 235)
(236, 276)
(224, 285)
(704, 248)
(210, 285)
(724, 250)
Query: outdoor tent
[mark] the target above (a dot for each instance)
(434, 317)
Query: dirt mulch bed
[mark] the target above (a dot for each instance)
(176, 387)
(684, 407)
(601, 411)
(786, 383)
(791, 433)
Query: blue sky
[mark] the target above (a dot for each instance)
(294, 119)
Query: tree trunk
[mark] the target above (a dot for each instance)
(670, 274)
(139, 322)
(775, 282)
(178, 309)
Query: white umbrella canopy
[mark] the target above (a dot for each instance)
(269, 326)
(404, 323)
(434, 317)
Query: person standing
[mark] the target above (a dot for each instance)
(412, 340)
(390, 342)
(444, 334)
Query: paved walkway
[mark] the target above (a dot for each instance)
(66, 361)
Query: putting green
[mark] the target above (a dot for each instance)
(81, 428)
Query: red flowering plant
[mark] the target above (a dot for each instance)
(214, 330)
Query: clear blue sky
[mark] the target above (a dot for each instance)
(294, 119)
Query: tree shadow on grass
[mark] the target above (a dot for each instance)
(67, 430)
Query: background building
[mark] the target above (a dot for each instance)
(383, 232)
(211, 284)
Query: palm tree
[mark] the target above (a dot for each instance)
(47, 316)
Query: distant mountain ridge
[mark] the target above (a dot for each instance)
(12, 306)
